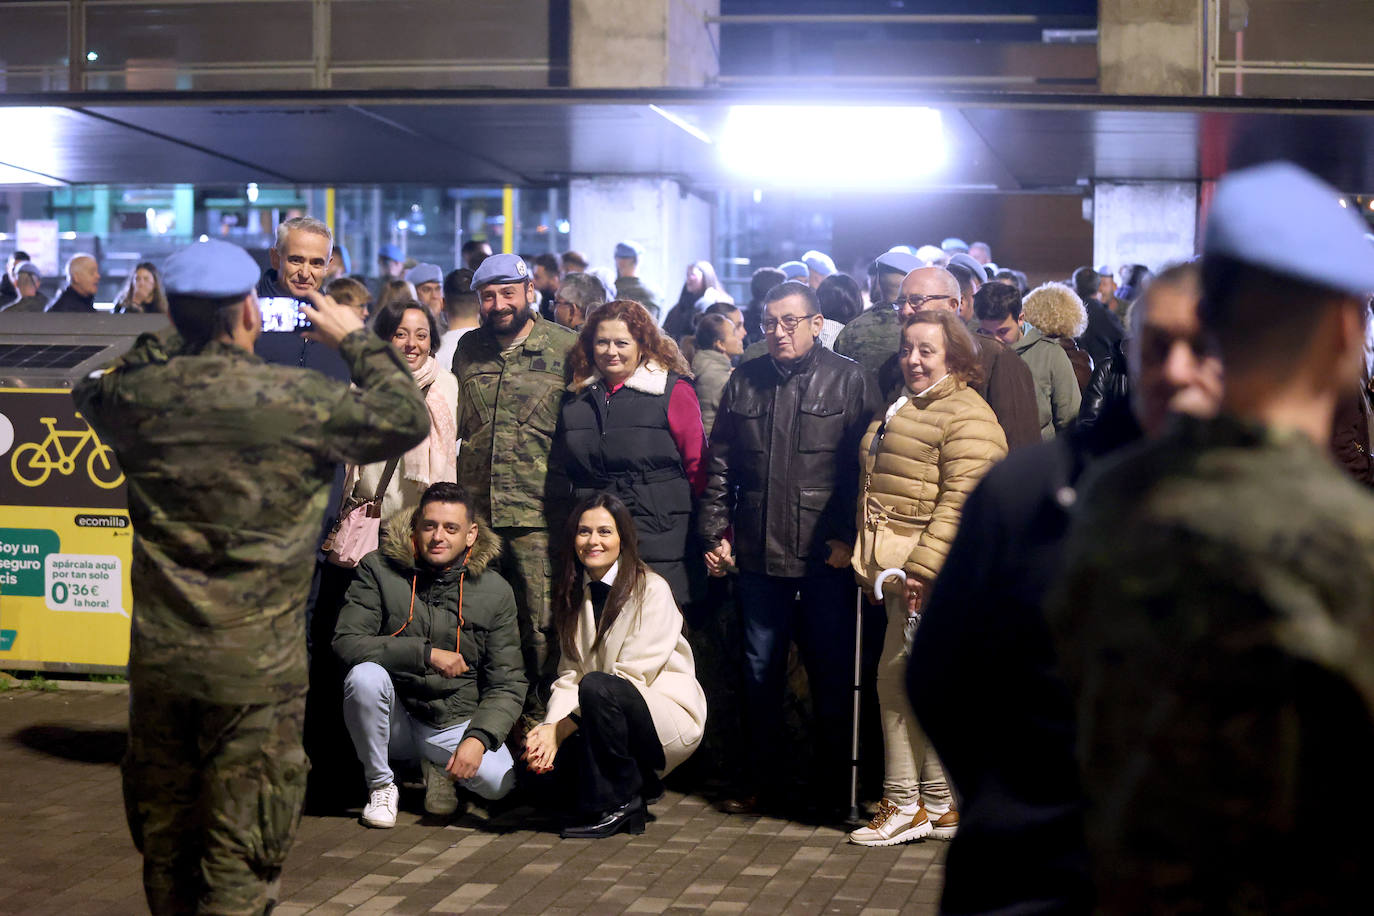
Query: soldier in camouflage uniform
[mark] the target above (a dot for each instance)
(229, 462)
(511, 380)
(871, 338)
(1216, 618)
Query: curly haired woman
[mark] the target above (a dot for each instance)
(1057, 311)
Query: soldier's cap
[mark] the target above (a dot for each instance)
(1105, 271)
(954, 244)
(424, 273)
(212, 269)
(905, 249)
(391, 253)
(929, 253)
(898, 262)
(794, 270)
(969, 262)
(1284, 219)
(500, 268)
(629, 249)
(819, 262)
(28, 267)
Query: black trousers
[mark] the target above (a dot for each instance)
(612, 756)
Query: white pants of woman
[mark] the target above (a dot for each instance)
(382, 731)
(911, 771)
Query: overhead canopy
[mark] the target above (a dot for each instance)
(995, 141)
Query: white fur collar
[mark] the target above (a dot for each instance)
(649, 378)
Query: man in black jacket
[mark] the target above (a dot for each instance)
(982, 673)
(83, 281)
(1104, 329)
(430, 635)
(784, 472)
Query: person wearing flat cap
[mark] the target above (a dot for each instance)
(27, 279)
(428, 280)
(819, 265)
(511, 379)
(1215, 618)
(627, 282)
(874, 335)
(228, 461)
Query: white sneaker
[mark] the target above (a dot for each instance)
(441, 796)
(890, 826)
(380, 810)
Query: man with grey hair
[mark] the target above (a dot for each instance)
(577, 296)
(27, 281)
(83, 279)
(300, 259)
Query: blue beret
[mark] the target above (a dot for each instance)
(501, 268)
(819, 262)
(1281, 218)
(424, 273)
(213, 269)
(28, 267)
(628, 249)
(794, 270)
(954, 244)
(970, 263)
(898, 262)
(391, 253)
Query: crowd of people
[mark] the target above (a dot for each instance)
(1116, 604)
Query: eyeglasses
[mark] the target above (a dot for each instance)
(919, 302)
(789, 323)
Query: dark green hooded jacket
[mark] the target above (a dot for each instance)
(373, 627)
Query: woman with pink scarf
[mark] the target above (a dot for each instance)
(411, 328)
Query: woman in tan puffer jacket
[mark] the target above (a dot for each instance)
(920, 462)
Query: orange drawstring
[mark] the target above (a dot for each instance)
(410, 614)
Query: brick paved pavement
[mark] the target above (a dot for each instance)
(66, 849)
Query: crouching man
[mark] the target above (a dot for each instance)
(429, 635)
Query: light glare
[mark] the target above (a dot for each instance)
(829, 146)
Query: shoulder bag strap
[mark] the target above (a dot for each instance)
(391, 465)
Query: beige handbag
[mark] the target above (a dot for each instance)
(886, 539)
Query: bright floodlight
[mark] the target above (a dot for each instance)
(800, 145)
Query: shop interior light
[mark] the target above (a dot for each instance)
(825, 146)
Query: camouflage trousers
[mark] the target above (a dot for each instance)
(528, 566)
(213, 794)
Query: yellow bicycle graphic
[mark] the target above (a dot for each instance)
(34, 461)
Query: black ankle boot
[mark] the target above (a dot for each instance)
(629, 817)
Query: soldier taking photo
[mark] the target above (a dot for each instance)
(229, 463)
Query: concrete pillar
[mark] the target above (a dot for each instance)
(1150, 47)
(624, 44)
(1152, 223)
(675, 228)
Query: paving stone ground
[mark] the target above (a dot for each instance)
(66, 849)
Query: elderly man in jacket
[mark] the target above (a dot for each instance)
(784, 472)
(431, 638)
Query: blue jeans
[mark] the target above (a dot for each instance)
(382, 730)
(821, 621)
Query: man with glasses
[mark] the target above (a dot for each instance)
(577, 296)
(784, 472)
(1008, 385)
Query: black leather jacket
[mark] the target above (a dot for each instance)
(784, 466)
(1109, 391)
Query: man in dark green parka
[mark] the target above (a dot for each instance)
(430, 636)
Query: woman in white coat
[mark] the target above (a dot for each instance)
(626, 707)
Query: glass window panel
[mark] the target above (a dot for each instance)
(208, 32)
(32, 36)
(534, 77)
(1313, 30)
(366, 30)
(152, 79)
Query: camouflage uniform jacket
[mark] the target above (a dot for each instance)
(507, 413)
(634, 288)
(229, 463)
(1216, 624)
(871, 337)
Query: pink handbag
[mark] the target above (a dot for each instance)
(357, 531)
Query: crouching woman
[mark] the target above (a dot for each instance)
(627, 707)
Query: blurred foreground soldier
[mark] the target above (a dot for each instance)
(83, 280)
(428, 280)
(784, 472)
(627, 283)
(1216, 617)
(511, 377)
(578, 295)
(229, 461)
(27, 280)
(873, 337)
(1350, 434)
(983, 652)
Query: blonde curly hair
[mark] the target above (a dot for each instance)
(1056, 310)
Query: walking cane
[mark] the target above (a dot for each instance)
(886, 574)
